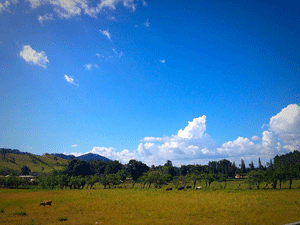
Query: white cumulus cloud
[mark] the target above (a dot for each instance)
(255, 138)
(193, 145)
(32, 56)
(70, 80)
(111, 153)
(286, 125)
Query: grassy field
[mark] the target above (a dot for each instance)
(153, 206)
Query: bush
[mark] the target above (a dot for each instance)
(62, 219)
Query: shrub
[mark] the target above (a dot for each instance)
(62, 219)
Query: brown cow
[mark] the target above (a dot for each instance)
(46, 202)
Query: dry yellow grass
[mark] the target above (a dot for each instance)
(142, 206)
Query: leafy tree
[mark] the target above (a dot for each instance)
(223, 166)
(169, 169)
(98, 167)
(113, 179)
(104, 181)
(213, 167)
(91, 180)
(25, 170)
(122, 174)
(113, 167)
(271, 177)
(184, 170)
(222, 178)
(63, 180)
(78, 168)
(255, 177)
(208, 178)
(194, 178)
(136, 169)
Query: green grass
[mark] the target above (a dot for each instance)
(35, 163)
(151, 206)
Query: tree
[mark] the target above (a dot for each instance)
(208, 178)
(104, 180)
(251, 166)
(255, 177)
(213, 167)
(194, 178)
(91, 180)
(222, 178)
(113, 167)
(260, 167)
(243, 167)
(78, 168)
(271, 177)
(136, 169)
(25, 170)
(223, 166)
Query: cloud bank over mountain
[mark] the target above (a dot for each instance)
(193, 145)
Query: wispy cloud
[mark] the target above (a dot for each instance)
(99, 55)
(70, 8)
(145, 3)
(106, 33)
(90, 66)
(32, 56)
(119, 54)
(162, 61)
(74, 146)
(47, 16)
(147, 23)
(70, 80)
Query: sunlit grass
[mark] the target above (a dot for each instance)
(153, 206)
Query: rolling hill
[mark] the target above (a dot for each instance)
(14, 160)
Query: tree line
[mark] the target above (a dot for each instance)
(79, 174)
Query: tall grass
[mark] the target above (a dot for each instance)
(151, 206)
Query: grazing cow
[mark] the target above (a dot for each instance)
(180, 188)
(169, 189)
(46, 202)
(188, 186)
(199, 188)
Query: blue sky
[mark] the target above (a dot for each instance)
(188, 81)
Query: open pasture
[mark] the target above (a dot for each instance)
(153, 206)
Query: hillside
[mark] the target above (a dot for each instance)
(12, 160)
